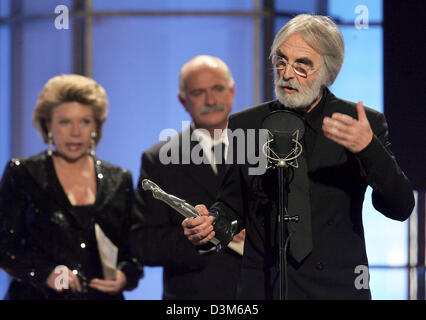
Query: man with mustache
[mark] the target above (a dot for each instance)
(206, 91)
(345, 147)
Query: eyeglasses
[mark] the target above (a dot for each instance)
(300, 69)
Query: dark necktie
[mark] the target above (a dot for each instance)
(218, 152)
(299, 204)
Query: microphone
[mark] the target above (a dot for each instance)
(285, 130)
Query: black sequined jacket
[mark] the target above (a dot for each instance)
(40, 229)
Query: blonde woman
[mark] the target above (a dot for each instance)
(50, 202)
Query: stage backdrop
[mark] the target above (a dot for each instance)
(137, 60)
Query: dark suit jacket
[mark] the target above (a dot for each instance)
(160, 239)
(338, 180)
(40, 229)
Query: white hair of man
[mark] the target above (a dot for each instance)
(199, 61)
(322, 35)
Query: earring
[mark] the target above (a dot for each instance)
(49, 144)
(92, 144)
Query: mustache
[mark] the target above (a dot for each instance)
(214, 108)
(292, 83)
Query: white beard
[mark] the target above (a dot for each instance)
(303, 97)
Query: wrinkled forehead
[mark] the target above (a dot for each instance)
(208, 66)
(206, 74)
(295, 47)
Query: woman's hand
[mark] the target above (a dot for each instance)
(63, 278)
(110, 286)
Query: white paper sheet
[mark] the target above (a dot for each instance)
(108, 253)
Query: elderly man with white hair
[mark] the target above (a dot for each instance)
(345, 149)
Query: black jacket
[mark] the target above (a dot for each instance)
(337, 181)
(159, 235)
(40, 229)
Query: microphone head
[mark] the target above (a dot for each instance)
(284, 126)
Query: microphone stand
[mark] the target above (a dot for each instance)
(282, 218)
(279, 124)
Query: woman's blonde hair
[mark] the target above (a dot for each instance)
(70, 88)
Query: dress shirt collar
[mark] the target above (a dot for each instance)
(204, 139)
